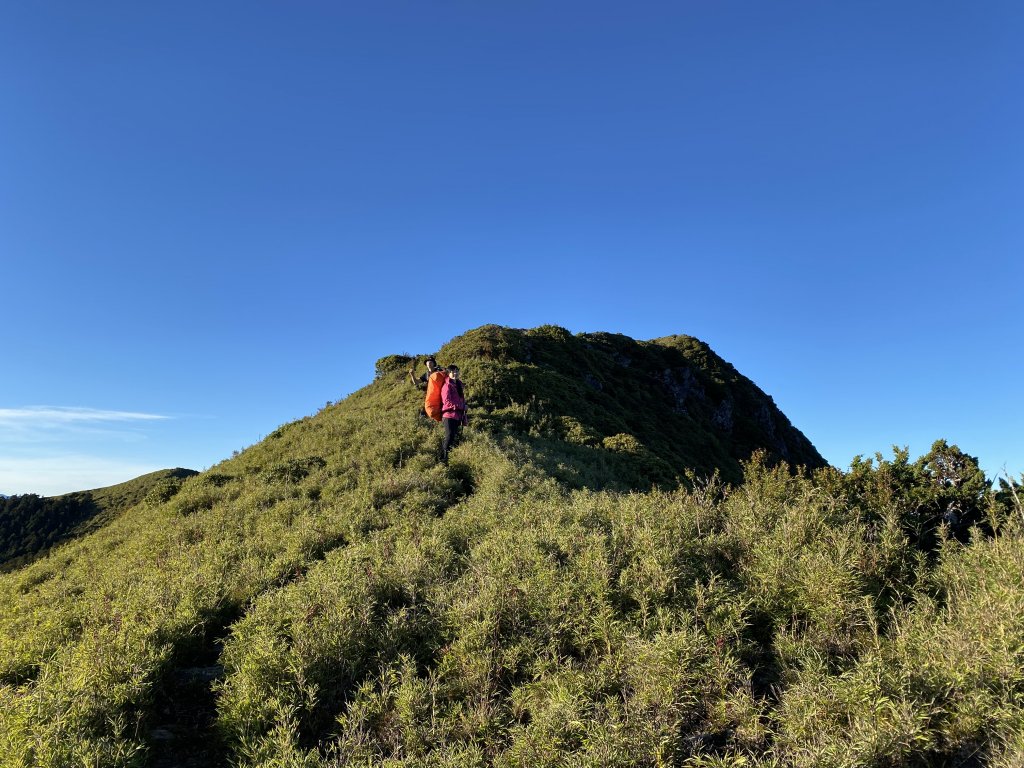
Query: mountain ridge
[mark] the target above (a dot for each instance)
(30, 524)
(672, 399)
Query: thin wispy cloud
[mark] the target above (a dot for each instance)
(49, 416)
(64, 426)
(51, 449)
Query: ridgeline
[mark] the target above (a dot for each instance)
(602, 410)
(30, 525)
(632, 559)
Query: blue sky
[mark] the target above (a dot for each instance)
(215, 217)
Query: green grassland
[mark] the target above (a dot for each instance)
(595, 579)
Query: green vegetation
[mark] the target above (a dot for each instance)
(30, 525)
(563, 593)
(603, 411)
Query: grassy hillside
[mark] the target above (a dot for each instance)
(30, 525)
(334, 596)
(602, 410)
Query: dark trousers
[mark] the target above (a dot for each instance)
(452, 432)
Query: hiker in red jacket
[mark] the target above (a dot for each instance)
(453, 409)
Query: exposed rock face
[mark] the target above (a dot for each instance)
(683, 385)
(722, 417)
(765, 419)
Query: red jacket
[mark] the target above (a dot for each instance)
(453, 402)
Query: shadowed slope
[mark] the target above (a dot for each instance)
(607, 411)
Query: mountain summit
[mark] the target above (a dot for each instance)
(603, 409)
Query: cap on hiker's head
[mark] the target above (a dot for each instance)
(453, 369)
(430, 359)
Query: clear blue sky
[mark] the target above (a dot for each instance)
(215, 217)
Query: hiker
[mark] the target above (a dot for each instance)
(453, 410)
(421, 382)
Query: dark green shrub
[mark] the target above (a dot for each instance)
(391, 364)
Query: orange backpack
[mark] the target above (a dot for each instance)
(432, 405)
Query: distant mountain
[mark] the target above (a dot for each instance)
(30, 525)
